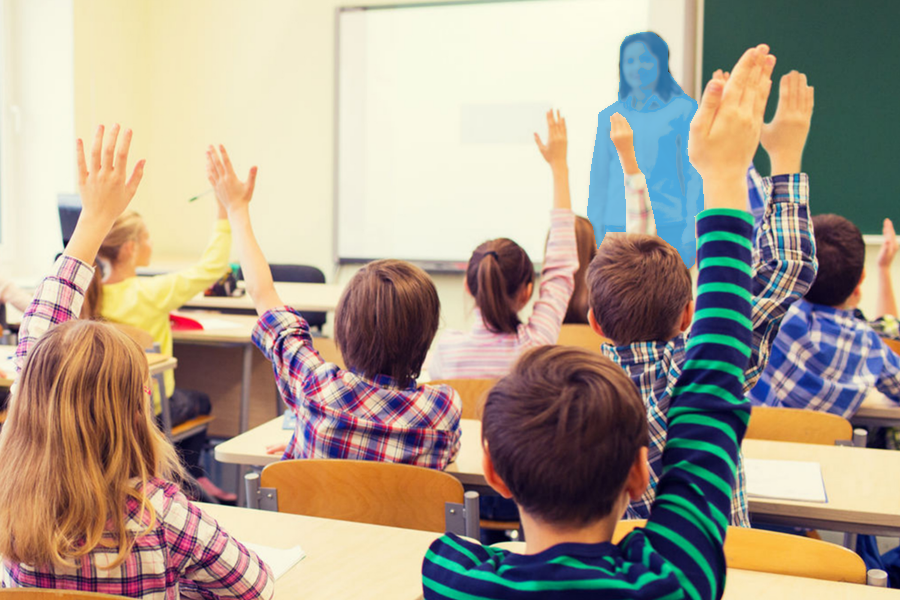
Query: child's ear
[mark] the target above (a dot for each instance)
(490, 475)
(594, 324)
(638, 476)
(686, 317)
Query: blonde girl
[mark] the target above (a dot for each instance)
(88, 499)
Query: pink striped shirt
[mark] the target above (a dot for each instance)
(483, 354)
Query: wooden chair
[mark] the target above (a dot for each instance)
(771, 552)
(797, 425)
(182, 430)
(38, 594)
(892, 344)
(366, 491)
(581, 335)
(473, 392)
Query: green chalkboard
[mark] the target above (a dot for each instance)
(850, 50)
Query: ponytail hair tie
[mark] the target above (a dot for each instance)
(491, 253)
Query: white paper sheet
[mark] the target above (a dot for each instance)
(785, 480)
(215, 324)
(279, 560)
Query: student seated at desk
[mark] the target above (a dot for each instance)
(641, 290)
(89, 500)
(384, 324)
(145, 303)
(826, 355)
(565, 434)
(500, 277)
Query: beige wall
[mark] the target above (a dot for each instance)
(256, 76)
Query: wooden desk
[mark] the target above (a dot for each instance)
(387, 562)
(158, 363)
(343, 559)
(210, 357)
(860, 483)
(312, 297)
(877, 411)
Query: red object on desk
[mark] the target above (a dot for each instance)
(182, 323)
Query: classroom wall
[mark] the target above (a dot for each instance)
(257, 76)
(37, 120)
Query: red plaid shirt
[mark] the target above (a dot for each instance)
(341, 414)
(185, 554)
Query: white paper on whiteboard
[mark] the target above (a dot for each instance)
(785, 480)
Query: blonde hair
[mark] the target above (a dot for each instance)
(127, 228)
(80, 440)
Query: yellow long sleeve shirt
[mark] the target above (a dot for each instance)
(145, 302)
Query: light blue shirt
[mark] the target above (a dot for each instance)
(660, 145)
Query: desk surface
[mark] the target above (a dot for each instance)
(318, 297)
(387, 562)
(862, 495)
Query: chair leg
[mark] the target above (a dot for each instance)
(473, 515)
(251, 484)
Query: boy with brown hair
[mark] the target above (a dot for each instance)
(565, 434)
(826, 355)
(640, 290)
(385, 322)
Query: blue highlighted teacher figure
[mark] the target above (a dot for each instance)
(660, 114)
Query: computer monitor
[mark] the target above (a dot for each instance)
(69, 209)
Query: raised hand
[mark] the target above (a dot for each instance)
(889, 247)
(725, 131)
(555, 150)
(104, 191)
(230, 191)
(623, 139)
(786, 135)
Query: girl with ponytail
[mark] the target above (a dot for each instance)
(500, 277)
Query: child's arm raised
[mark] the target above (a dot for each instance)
(784, 248)
(561, 256)
(885, 303)
(708, 414)
(235, 196)
(638, 212)
(105, 193)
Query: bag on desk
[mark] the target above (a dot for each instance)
(226, 286)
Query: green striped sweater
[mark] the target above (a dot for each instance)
(679, 553)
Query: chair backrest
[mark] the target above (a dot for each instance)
(328, 350)
(364, 492)
(299, 274)
(892, 344)
(781, 553)
(581, 335)
(39, 594)
(473, 392)
(143, 338)
(797, 425)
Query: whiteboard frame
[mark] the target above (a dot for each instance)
(443, 266)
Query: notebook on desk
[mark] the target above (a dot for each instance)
(279, 560)
(785, 480)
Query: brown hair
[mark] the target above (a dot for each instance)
(127, 228)
(587, 250)
(386, 320)
(80, 439)
(563, 430)
(841, 253)
(496, 275)
(639, 287)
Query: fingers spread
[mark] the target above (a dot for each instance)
(122, 154)
(82, 164)
(109, 147)
(95, 150)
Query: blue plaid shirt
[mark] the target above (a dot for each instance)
(784, 269)
(827, 359)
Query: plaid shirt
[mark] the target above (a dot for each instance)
(185, 554)
(341, 414)
(785, 267)
(827, 359)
